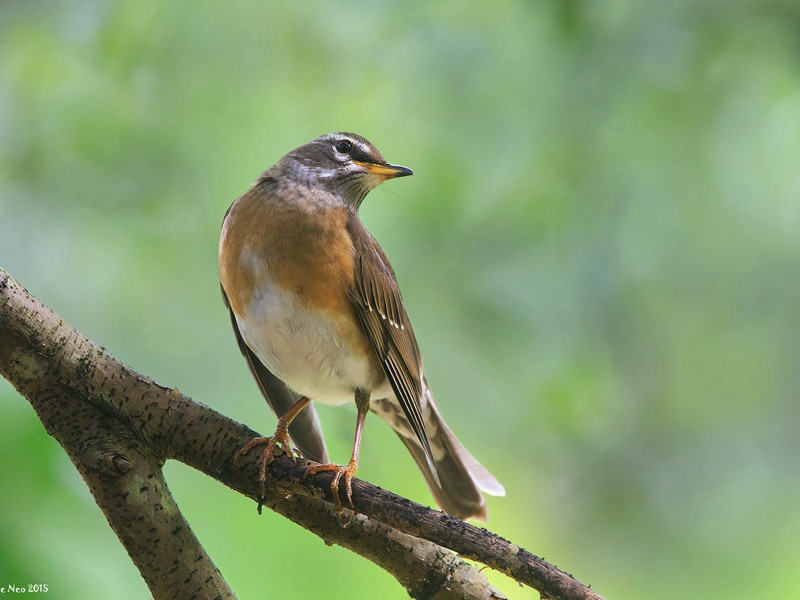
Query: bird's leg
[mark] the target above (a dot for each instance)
(281, 436)
(350, 469)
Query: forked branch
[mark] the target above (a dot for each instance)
(118, 427)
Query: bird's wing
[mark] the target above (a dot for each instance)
(376, 297)
(305, 429)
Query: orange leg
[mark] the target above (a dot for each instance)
(281, 437)
(350, 469)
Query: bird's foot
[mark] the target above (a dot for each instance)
(348, 470)
(281, 437)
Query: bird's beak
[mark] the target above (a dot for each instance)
(385, 171)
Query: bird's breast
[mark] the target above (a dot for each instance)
(317, 354)
(287, 272)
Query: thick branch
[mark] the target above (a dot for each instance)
(122, 472)
(53, 365)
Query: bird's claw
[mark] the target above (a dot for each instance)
(281, 437)
(348, 470)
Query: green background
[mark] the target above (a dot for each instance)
(599, 252)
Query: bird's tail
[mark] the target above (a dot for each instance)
(459, 478)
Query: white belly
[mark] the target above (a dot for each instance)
(305, 349)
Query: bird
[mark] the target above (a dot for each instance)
(318, 315)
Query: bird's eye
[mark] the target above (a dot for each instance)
(344, 146)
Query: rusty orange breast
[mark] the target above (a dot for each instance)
(301, 247)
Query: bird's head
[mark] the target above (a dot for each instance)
(344, 164)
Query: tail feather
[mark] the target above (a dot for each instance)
(459, 478)
(479, 474)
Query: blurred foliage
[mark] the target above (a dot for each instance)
(600, 254)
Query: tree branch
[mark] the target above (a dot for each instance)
(118, 427)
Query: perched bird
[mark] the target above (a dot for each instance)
(318, 315)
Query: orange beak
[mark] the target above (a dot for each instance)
(385, 171)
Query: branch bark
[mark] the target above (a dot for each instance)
(118, 427)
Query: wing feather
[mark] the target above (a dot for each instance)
(379, 305)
